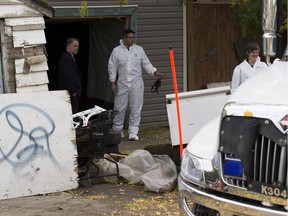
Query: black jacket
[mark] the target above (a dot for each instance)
(69, 75)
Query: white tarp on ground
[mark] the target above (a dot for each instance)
(157, 172)
(38, 153)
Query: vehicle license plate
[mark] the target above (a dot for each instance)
(269, 190)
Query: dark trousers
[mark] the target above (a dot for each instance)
(74, 104)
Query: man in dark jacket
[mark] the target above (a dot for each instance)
(69, 74)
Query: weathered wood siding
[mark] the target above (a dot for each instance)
(22, 37)
(211, 27)
(159, 25)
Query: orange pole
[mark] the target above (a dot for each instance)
(176, 97)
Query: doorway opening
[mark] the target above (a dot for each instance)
(97, 38)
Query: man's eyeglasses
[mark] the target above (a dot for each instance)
(131, 37)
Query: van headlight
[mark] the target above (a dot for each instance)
(191, 168)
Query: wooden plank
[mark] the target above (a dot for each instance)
(37, 88)
(7, 11)
(31, 79)
(40, 6)
(9, 2)
(22, 67)
(24, 21)
(27, 23)
(8, 31)
(8, 86)
(36, 59)
(38, 152)
(27, 38)
(29, 27)
(42, 66)
(18, 53)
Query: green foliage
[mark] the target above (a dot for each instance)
(249, 15)
(284, 25)
(122, 2)
(284, 8)
(83, 9)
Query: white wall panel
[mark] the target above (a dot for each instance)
(37, 144)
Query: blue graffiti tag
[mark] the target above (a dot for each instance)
(26, 152)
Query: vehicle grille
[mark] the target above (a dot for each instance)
(269, 164)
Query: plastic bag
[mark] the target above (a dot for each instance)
(157, 172)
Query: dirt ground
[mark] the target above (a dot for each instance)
(102, 198)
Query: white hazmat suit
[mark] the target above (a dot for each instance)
(125, 69)
(244, 70)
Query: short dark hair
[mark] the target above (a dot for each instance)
(126, 32)
(252, 46)
(70, 40)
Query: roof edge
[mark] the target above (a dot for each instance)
(40, 6)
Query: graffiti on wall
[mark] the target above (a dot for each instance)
(30, 138)
(37, 150)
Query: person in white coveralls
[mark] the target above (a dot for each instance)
(248, 67)
(125, 74)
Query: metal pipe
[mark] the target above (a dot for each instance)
(269, 26)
